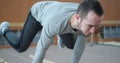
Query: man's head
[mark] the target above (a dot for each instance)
(89, 15)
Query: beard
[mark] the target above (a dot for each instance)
(83, 34)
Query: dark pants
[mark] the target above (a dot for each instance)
(69, 39)
(29, 31)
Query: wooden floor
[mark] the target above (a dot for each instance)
(94, 54)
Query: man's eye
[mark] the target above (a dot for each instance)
(90, 25)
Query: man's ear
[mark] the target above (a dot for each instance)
(77, 18)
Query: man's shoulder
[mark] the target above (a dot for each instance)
(45, 2)
(51, 2)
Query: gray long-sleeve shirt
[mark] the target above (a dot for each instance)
(54, 17)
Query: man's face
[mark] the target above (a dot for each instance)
(89, 24)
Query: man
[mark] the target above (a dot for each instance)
(57, 18)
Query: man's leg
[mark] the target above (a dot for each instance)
(30, 29)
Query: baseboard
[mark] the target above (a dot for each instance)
(8, 46)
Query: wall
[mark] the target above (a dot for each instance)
(16, 10)
(112, 9)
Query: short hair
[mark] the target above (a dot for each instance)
(89, 5)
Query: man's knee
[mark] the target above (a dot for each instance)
(20, 50)
(70, 46)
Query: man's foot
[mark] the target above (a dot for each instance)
(4, 26)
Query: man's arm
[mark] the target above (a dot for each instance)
(42, 46)
(78, 48)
